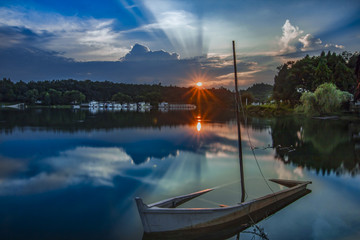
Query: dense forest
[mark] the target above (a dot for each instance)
(307, 74)
(71, 91)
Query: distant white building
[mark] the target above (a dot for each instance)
(163, 105)
(117, 106)
(93, 104)
(124, 106)
(132, 106)
(144, 106)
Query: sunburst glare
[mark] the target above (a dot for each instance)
(199, 95)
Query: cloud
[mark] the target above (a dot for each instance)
(220, 70)
(85, 165)
(9, 166)
(310, 43)
(334, 46)
(295, 44)
(79, 38)
(15, 36)
(142, 53)
(140, 66)
(100, 165)
(182, 28)
(289, 34)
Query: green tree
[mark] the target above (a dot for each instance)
(326, 99)
(260, 91)
(322, 73)
(139, 98)
(46, 98)
(20, 89)
(343, 77)
(120, 97)
(73, 97)
(153, 97)
(247, 96)
(302, 73)
(7, 90)
(55, 97)
(31, 96)
(310, 72)
(286, 83)
(308, 101)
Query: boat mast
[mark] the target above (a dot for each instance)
(237, 98)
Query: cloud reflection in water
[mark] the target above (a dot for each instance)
(96, 166)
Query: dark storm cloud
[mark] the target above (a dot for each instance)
(143, 53)
(137, 67)
(22, 36)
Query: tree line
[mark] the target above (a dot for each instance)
(294, 78)
(71, 91)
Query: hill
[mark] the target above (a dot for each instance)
(260, 91)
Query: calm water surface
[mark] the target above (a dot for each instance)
(74, 175)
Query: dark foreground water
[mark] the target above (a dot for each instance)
(74, 175)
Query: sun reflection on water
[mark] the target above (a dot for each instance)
(198, 126)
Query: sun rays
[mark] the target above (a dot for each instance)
(198, 94)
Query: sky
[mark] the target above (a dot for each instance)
(172, 42)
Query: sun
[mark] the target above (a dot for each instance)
(199, 84)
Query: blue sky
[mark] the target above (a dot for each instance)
(168, 41)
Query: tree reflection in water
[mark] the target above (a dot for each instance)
(324, 145)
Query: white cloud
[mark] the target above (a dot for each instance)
(338, 46)
(282, 172)
(292, 36)
(309, 42)
(193, 34)
(81, 39)
(97, 166)
(181, 29)
(245, 75)
(290, 33)
(299, 171)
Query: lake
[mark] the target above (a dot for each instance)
(68, 174)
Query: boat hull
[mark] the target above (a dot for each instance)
(156, 219)
(227, 229)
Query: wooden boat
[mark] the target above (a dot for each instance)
(164, 217)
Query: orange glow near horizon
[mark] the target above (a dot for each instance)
(197, 93)
(197, 79)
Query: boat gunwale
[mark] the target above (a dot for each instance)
(147, 209)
